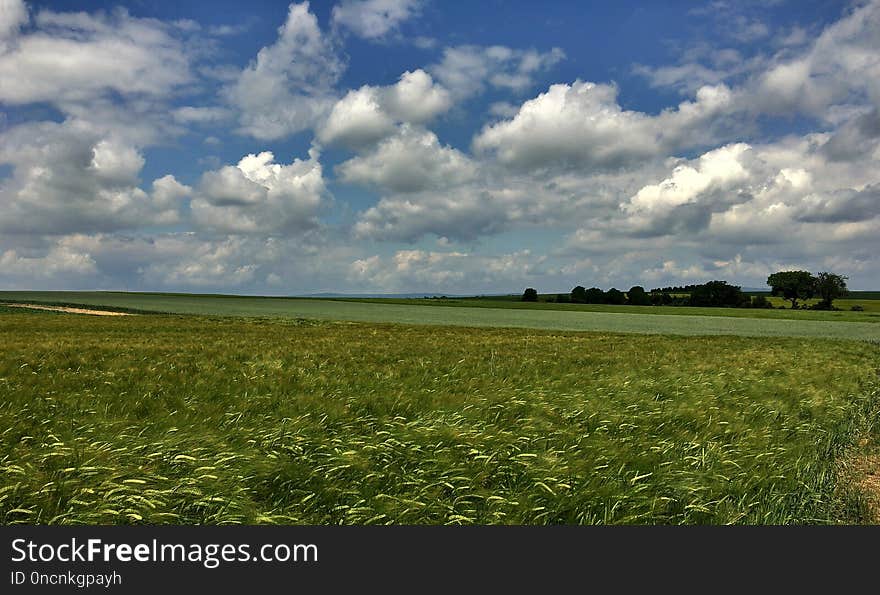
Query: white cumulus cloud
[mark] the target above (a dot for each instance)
(467, 70)
(411, 161)
(374, 19)
(447, 272)
(68, 179)
(259, 195)
(289, 86)
(76, 57)
(583, 125)
(366, 115)
(13, 14)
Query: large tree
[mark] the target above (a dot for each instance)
(530, 295)
(595, 296)
(793, 285)
(579, 295)
(718, 294)
(615, 296)
(637, 296)
(829, 287)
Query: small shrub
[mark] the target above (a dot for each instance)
(857, 308)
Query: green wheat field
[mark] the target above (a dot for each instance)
(236, 410)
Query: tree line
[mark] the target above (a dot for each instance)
(792, 286)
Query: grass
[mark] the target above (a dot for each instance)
(180, 419)
(630, 319)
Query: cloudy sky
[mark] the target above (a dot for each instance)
(414, 146)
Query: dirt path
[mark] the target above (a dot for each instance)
(68, 310)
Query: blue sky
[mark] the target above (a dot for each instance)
(416, 146)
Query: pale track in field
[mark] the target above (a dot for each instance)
(68, 310)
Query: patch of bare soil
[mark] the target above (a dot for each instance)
(69, 310)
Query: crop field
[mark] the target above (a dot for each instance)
(198, 419)
(870, 313)
(625, 319)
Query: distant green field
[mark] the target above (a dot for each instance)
(868, 300)
(853, 295)
(578, 320)
(859, 296)
(869, 304)
(871, 311)
(218, 420)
